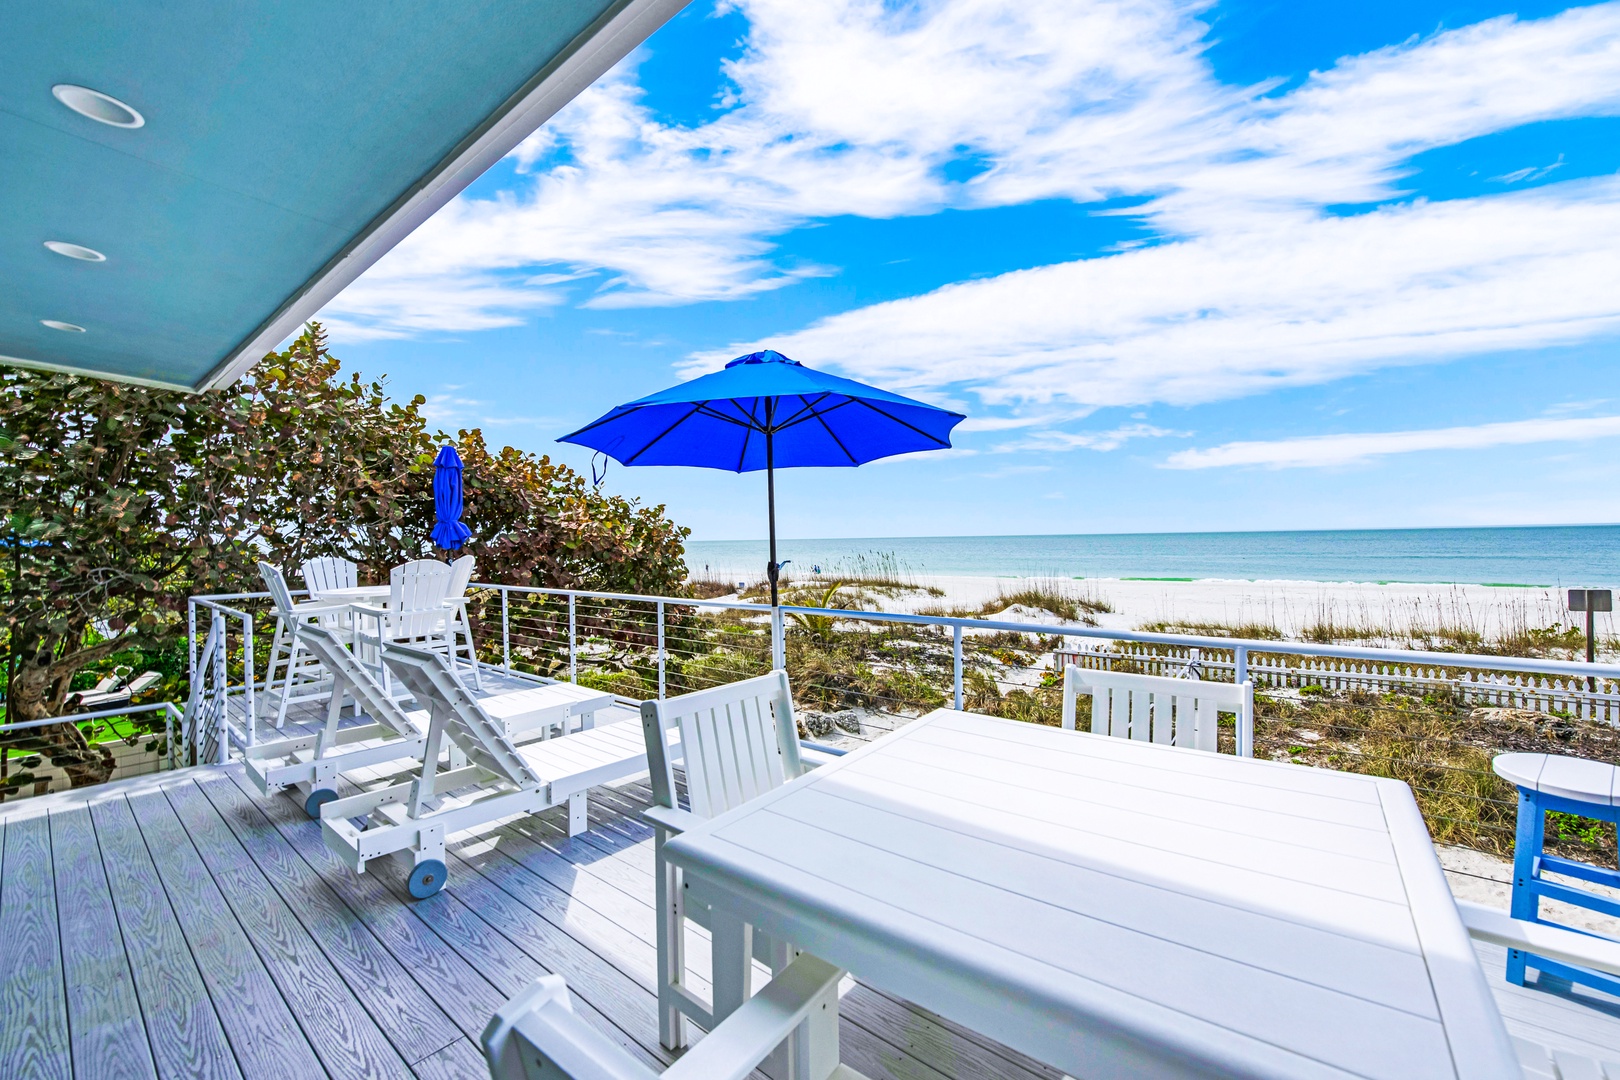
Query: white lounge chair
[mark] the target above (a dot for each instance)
(1154, 708)
(312, 763)
(499, 778)
(537, 1035)
(739, 741)
(112, 691)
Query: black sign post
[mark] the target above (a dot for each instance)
(1590, 601)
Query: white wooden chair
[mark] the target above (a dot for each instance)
(1556, 943)
(739, 741)
(327, 573)
(498, 778)
(538, 1036)
(1153, 708)
(302, 677)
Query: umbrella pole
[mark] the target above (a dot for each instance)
(771, 568)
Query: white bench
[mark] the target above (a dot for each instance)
(540, 711)
(1153, 708)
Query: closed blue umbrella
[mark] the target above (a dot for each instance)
(764, 411)
(448, 531)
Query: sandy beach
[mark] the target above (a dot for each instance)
(1291, 607)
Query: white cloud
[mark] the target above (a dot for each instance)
(1088, 440)
(855, 106)
(1242, 311)
(1316, 451)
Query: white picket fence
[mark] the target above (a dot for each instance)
(1513, 690)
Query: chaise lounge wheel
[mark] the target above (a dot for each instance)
(317, 799)
(427, 878)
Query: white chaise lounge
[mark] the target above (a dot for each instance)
(499, 778)
(1154, 708)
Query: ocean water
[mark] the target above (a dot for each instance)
(1572, 555)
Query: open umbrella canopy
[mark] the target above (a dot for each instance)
(448, 531)
(766, 411)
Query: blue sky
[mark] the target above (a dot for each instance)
(1184, 266)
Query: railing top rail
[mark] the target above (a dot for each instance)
(1295, 648)
(679, 601)
(74, 718)
(212, 599)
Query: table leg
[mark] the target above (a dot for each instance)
(1527, 844)
(732, 945)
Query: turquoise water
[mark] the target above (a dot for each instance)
(1578, 555)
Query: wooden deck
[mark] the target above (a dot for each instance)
(180, 925)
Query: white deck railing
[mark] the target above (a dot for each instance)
(564, 633)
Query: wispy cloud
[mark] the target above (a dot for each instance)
(1316, 451)
(1104, 441)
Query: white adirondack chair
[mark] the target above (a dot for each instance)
(1153, 708)
(459, 628)
(328, 573)
(538, 1036)
(302, 678)
(739, 741)
(499, 778)
(416, 612)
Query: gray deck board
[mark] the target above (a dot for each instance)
(461, 1060)
(189, 919)
(263, 1033)
(34, 1040)
(104, 1018)
(408, 1017)
(466, 996)
(181, 1024)
(339, 1028)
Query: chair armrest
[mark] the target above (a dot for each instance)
(540, 1021)
(676, 821)
(368, 609)
(1553, 942)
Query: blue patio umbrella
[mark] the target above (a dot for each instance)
(764, 411)
(448, 531)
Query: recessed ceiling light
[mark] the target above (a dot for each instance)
(75, 251)
(67, 326)
(97, 106)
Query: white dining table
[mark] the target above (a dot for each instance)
(1116, 908)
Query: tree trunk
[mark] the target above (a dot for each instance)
(36, 693)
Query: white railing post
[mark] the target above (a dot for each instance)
(956, 666)
(247, 678)
(1240, 664)
(506, 633)
(191, 642)
(573, 642)
(778, 645)
(221, 676)
(660, 650)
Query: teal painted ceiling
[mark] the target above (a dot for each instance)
(275, 135)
